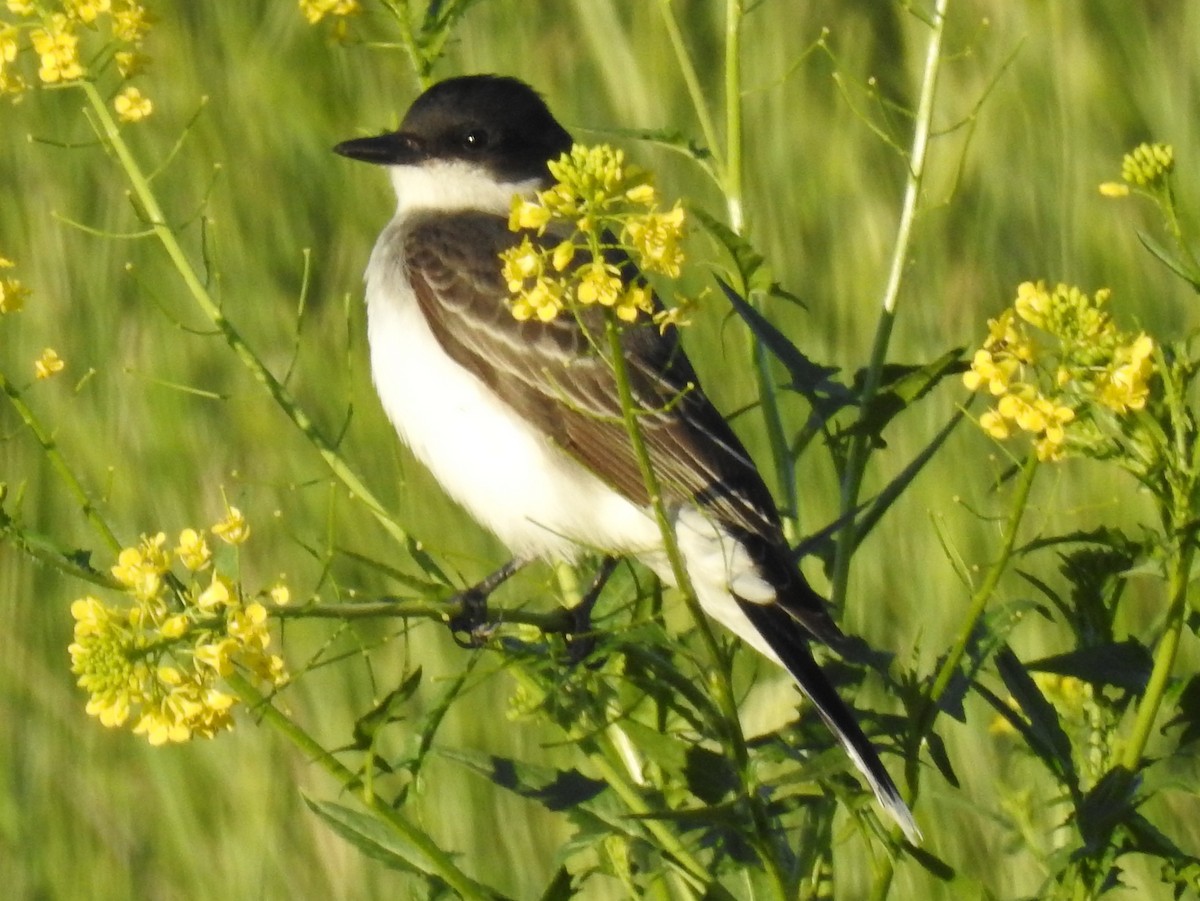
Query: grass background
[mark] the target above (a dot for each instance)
(90, 813)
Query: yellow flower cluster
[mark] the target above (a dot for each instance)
(1049, 358)
(600, 210)
(1146, 166)
(12, 292)
(50, 33)
(159, 661)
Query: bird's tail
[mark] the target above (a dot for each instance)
(780, 632)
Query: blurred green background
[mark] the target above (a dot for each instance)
(1047, 96)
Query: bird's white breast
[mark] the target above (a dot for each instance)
(511, 478)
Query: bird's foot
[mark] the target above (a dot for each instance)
(581, 640)
(471, 620)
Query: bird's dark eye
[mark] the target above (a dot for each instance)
(475, 139)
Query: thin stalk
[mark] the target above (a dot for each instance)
(59, 463)
(720, 684)
(975, 611)
(1164, 655)
(688, 69)
(439, 860)
(690, 868)
(860, 445)
(927, 713)
(733, 114)
(191, 279)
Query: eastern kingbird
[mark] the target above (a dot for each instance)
(520, 421)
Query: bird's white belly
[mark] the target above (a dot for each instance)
(512, 479)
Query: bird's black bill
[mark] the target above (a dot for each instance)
(392, 149)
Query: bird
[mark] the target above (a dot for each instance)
(520, 421)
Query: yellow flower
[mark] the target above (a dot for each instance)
(193, 550)
(140, 569)
(58, 49)
(86, 10)
(316, 10)
(218, 594)
(22, 7)
(12, 295)
(1126, 386)
(48, 364)
(280, 595)
(130, 23)
(562, 256)
(656, 237)
(636, 299)
(544, 301)
(520, 264)
(600, 283)
(1114, 189)
(131, 106)
(233, 529)
(526, 214)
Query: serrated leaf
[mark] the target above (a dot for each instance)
(554, 789)
(932, 863)
(669, 138)
(1110, 803)
(367, 726)
(1044, 732)
(746, 260)
(941, 760)
(900, 386)
(710, 776)
(809, 379)
(373, 838)
(1124, 664)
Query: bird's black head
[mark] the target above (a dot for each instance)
(497, 123)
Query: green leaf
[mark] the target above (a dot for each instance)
(1170, 260)
(559, 887)
(1110, 803)
(710, 776)
(1124, 664)
(1042, 731)
(1189, 712)
(900, 387)
(554, 789)
(807, 378)
(367, 726)
(669, 138)
(373, 838)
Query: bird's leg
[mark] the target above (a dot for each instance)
(471, 618)
(580, 641)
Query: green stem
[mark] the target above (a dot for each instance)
(927, 713)
(59, 463)
(693, 871)
(412, 608)
(1164, 654)
(861, 444)
(439, 861)
(719, 682)
(111, 134)
(692, 81)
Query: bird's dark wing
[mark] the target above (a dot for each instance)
(555, 375)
